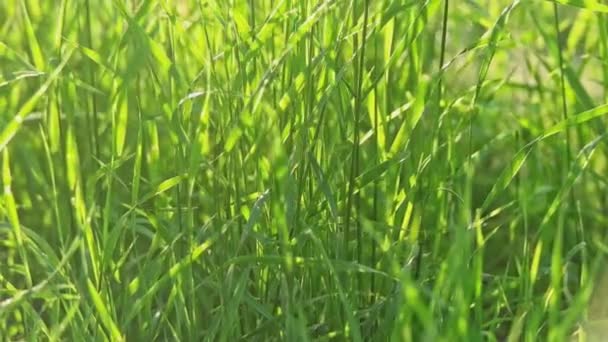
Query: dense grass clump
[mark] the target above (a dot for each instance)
(295, 170)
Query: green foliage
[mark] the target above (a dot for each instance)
(273, 170)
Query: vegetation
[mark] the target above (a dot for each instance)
(261, 170)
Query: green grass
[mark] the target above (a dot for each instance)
(295, 170)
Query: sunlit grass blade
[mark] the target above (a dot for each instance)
(9, 131)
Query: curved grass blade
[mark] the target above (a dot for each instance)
(518, 161)
(13, 127)
(104, 315)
